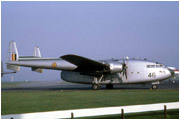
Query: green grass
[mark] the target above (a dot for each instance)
(15, 102)
(11, 84)
(8, 84)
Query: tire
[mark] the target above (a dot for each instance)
(154, 87)
(173, 81)
(95, 87)
(109, 86)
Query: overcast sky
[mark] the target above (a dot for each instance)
(98, 30)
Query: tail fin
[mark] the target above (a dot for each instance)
(37, 52)
(13, 52)
(12, 56)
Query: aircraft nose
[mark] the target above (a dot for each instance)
(171, 71)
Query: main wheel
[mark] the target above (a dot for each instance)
(173, 81)
(95, 86)
(109, 86)
(154, 87)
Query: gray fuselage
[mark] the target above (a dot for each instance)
(138, 71)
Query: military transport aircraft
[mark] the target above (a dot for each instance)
(78, 69)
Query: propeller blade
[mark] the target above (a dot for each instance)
(126, 74)
(124, 68)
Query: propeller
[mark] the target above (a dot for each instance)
(124, 66)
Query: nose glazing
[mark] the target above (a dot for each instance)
(171, 71)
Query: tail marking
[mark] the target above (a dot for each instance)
(13, 57)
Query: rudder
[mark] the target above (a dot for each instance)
(12, 56)
(12, 52)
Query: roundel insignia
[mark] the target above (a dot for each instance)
(54, 64)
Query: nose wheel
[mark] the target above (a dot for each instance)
(154, 87)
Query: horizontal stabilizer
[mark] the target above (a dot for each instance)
(13, 67)
(85, 64)
(40, 70)
(36, 54)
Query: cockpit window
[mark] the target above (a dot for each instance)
(158, 66)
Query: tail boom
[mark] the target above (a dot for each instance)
(36, 62)
(56, 64)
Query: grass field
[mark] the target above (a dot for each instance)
(12, 84)
(8, 84)
(14, 102)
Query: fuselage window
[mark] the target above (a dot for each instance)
(155, 66)
(148, 66)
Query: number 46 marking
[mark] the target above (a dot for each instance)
(152, 75)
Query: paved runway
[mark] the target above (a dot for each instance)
(57, 85)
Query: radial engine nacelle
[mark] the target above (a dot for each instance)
(116, 67)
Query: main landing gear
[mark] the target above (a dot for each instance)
(95, 87)
(96, 84)
(154, 87)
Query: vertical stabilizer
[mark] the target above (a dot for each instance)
(12, 56)
(37, 52)
(12, 52)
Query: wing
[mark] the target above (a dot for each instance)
(86, 64)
